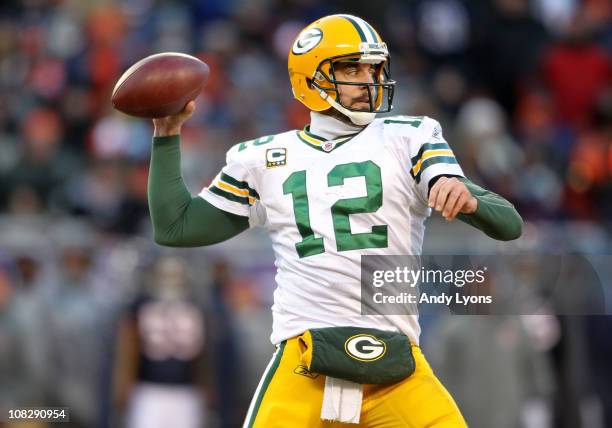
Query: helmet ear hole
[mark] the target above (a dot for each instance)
(309, 82)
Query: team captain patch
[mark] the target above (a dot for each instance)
(276, 157)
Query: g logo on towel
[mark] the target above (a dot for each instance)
(365, 347)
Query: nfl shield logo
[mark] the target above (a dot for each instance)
(328, 146)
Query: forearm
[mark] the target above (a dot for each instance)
(494, 215)
(180, 220)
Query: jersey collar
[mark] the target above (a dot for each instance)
(326, 133)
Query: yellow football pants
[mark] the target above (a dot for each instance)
(288, 396)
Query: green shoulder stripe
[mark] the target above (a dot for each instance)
(229, 196)
(428, 146)
(432, 161)
(239, 184)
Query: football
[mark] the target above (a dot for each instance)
(160, 85)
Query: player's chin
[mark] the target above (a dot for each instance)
(361, 106)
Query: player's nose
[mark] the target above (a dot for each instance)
(367, 76)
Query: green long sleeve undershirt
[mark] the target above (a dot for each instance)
(181, 220)
(494, 215)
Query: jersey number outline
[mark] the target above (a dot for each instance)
(310, 245)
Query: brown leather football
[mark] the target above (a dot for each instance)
(160, 85)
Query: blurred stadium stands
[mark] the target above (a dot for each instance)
(522, 88)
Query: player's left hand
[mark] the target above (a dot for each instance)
(450, 197)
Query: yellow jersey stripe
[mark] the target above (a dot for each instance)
(431, 153)
(234, 190)
(310, 139)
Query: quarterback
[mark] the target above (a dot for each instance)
(348, 184)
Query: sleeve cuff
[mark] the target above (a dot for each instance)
(223, 204)
(167, 139)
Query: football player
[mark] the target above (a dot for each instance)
(348, 184)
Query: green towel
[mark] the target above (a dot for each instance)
(362, 355)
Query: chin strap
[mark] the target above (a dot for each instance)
(360, 118)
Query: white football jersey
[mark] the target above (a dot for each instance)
(327, 203)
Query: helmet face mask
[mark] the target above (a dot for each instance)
(314, 72)
(378, 91)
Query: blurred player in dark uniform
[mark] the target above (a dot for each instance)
(159, 370)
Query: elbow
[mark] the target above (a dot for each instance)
(169, 240)
(165, 233)
(163, 241)
(512, 234)
(514, 230)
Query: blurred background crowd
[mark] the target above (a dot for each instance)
(96, 317)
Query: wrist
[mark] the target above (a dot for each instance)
(166, 132)
(472, 205)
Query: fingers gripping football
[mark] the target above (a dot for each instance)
(171, 125)
(449, 196)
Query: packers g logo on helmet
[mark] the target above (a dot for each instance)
(365, 347)
(306, 41)
(328, 41)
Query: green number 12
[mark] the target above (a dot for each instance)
(345, 240)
